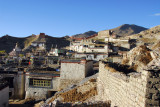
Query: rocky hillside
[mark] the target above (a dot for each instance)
(139, 55)
(86, 34)
(7, 42)
(143, 57)
(127, 29)
(151, 35)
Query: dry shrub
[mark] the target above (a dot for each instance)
(146, 58)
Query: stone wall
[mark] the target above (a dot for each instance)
(137, 89)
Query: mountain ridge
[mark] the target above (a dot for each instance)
(8, 42)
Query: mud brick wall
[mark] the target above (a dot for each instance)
(138, 89)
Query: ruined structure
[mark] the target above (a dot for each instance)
(134, 84)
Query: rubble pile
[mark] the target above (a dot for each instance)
(80, 92)
(143, 57)
(140, 56)
(74, 96)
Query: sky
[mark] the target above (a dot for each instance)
(57, 18)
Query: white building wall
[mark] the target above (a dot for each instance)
(70, 71)
(40, 92)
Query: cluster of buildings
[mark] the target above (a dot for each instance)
(35, 73)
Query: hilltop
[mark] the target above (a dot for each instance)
(127, 29)
(123, 30)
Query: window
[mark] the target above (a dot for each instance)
(40, 82)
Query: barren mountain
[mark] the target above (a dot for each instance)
(7, 42)
(127, 29)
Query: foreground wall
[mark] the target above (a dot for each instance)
(137, 89)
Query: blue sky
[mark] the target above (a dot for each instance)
(21, 18)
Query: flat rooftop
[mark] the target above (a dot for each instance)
(46, 70)
(71, 60)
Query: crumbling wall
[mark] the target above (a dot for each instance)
(127, 90)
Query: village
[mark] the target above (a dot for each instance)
(118, 72)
